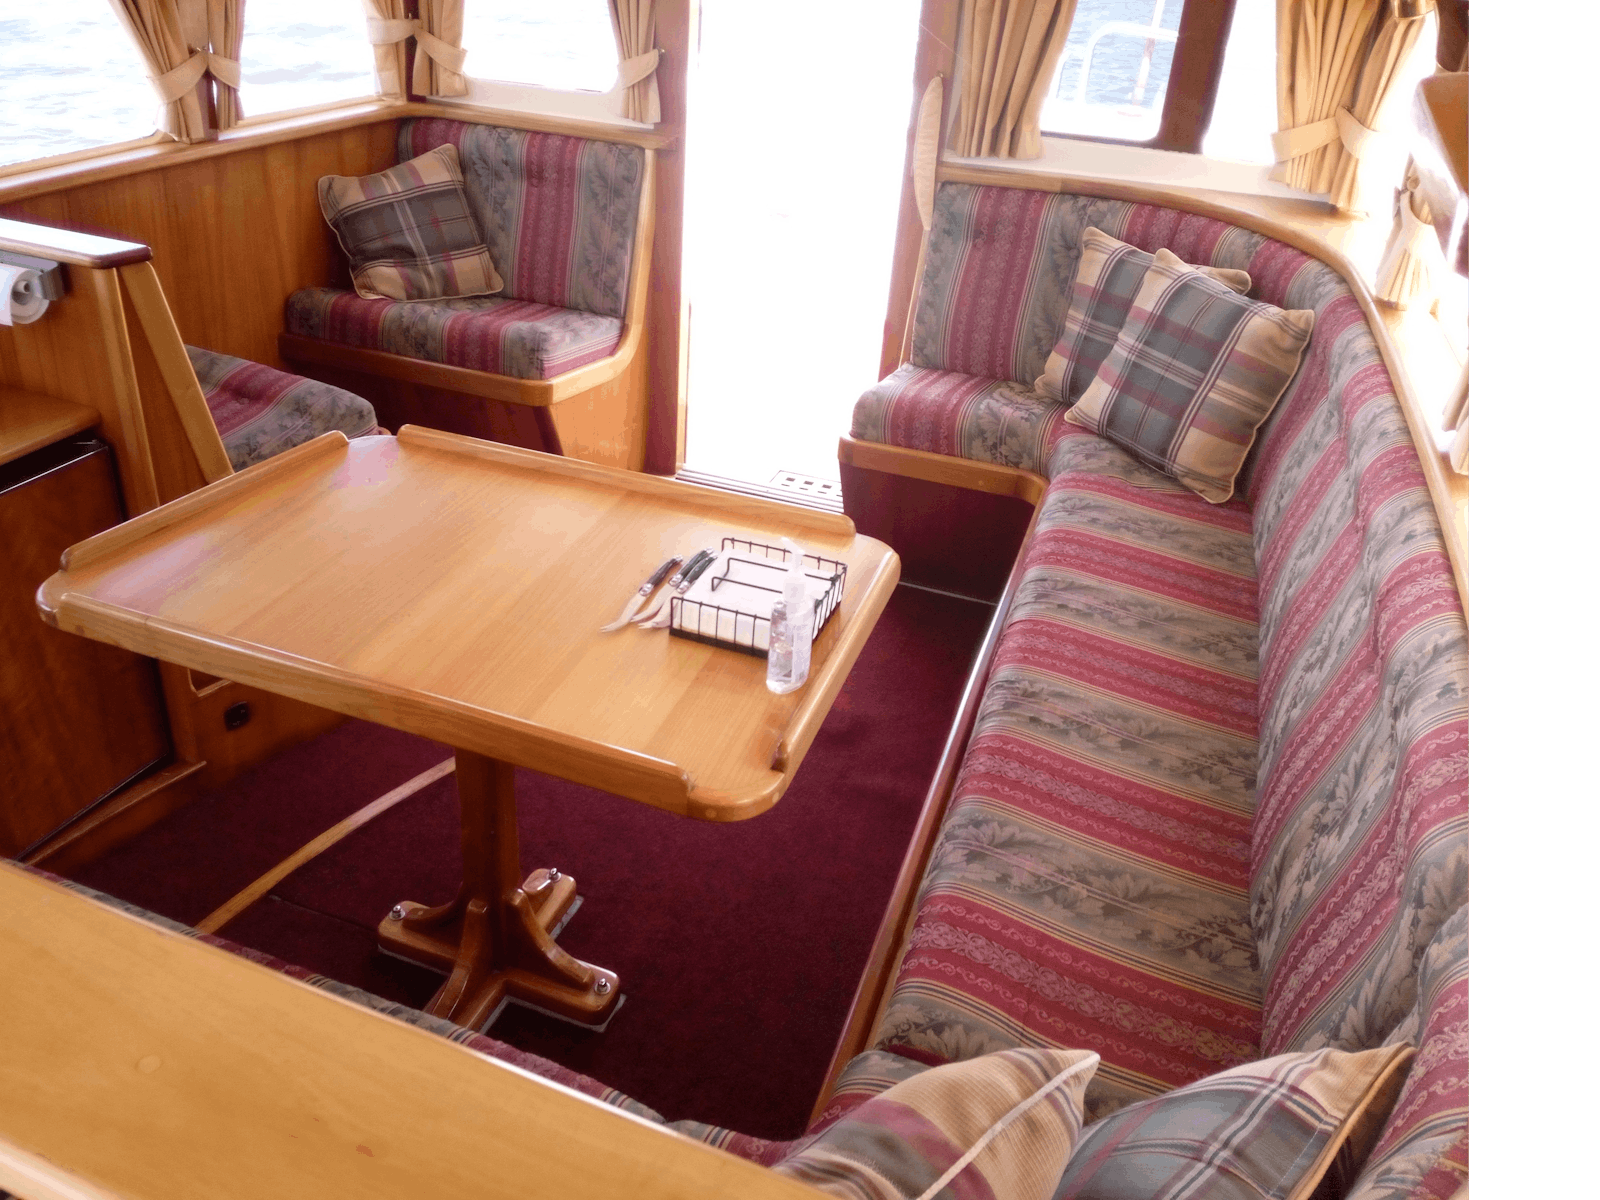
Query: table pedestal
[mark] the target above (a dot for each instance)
(495, 938)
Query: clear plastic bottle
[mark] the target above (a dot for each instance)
(789, 635)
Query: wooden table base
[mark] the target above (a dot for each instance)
(495, 939)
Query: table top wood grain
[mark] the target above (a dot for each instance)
(456, 588)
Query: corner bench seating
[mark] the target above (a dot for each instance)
(567, 221)
(1213, 804)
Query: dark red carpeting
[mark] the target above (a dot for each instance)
(739, 946)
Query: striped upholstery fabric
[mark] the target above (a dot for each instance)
(1090, 885)
(486, 333)
(1423, 1151)
(1121, 867)
(1001, 263)
(1359, 847)
(261, 411)
(558, 213)
(965, 416)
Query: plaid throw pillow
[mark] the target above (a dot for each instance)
(999, 1126)
(1109, 275)
(1192, 375)
(408, 232)
(1284, 1128)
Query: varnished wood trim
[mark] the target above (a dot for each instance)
(942, 468)
(259, 887)
(188, 400)
(121, 536)
(66, 245)
(1196, 72)
(135, 158)
(30, 421)
(751, 508)
(156, 1066)
(1307, 226)
(128, 812)
(141, 492)
(32, 1178)
(888, 947)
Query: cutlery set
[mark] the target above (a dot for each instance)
(660, 615)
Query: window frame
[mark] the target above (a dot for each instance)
(1191, 86)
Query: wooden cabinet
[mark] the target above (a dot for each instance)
(77, 718)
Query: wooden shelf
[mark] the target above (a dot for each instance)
(30, 421)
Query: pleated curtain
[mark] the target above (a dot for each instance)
(184, 44)
(440, 59)
(387, 30)
(1008, 55)
(634, 24)
(1337, 62)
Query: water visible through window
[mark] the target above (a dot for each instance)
(563, 44)
(297, 53)
(72, 80)
(1112, 79)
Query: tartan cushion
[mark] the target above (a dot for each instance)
(1192, 375)
(261, 411)
(1000, 1126)
(408, 231)
(1109, 275)
(1272, 1129)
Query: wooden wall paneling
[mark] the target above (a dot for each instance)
(936, 53)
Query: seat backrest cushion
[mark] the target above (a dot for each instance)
(558, 213)
(1001, 263)
(1359, 841)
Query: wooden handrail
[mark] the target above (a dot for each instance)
(69, 246)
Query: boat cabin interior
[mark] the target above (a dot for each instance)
(428, 768)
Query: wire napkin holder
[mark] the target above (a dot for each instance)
(747, 579)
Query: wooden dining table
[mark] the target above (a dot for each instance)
(456, 589)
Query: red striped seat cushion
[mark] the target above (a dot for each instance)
(261, 411)
(1090, 885)
(483, 333)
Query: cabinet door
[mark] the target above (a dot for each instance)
(78, 718)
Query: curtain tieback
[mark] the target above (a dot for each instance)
(638, 68)
(1342, 127)
(387, 32)
(183, 78)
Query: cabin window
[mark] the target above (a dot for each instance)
(1113, 75)
(555, 44)
(72, 81)
(299, 53)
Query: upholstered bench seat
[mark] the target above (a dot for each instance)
(519, 338)
(261, 411)
(1091, 884)
(965, 416)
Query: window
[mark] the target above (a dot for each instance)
(557, 44)
(297, 53)
(1246, 112)
(72, 80)
(1112, 80)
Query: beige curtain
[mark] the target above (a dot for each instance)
(634, 24)
(1408, 271)
(225, 26)
(387, 30)
(1009, 53)
(1337, 61)
(158, 29)
(440, 58)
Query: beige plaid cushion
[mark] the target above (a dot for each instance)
(408, 231)
(1109, 275)
(1192, 375)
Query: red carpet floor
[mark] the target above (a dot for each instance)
(739, 946)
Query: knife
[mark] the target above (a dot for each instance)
(661, 616)
(675, 583)
(636, 601)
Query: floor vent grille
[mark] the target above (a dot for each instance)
(787, 487)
